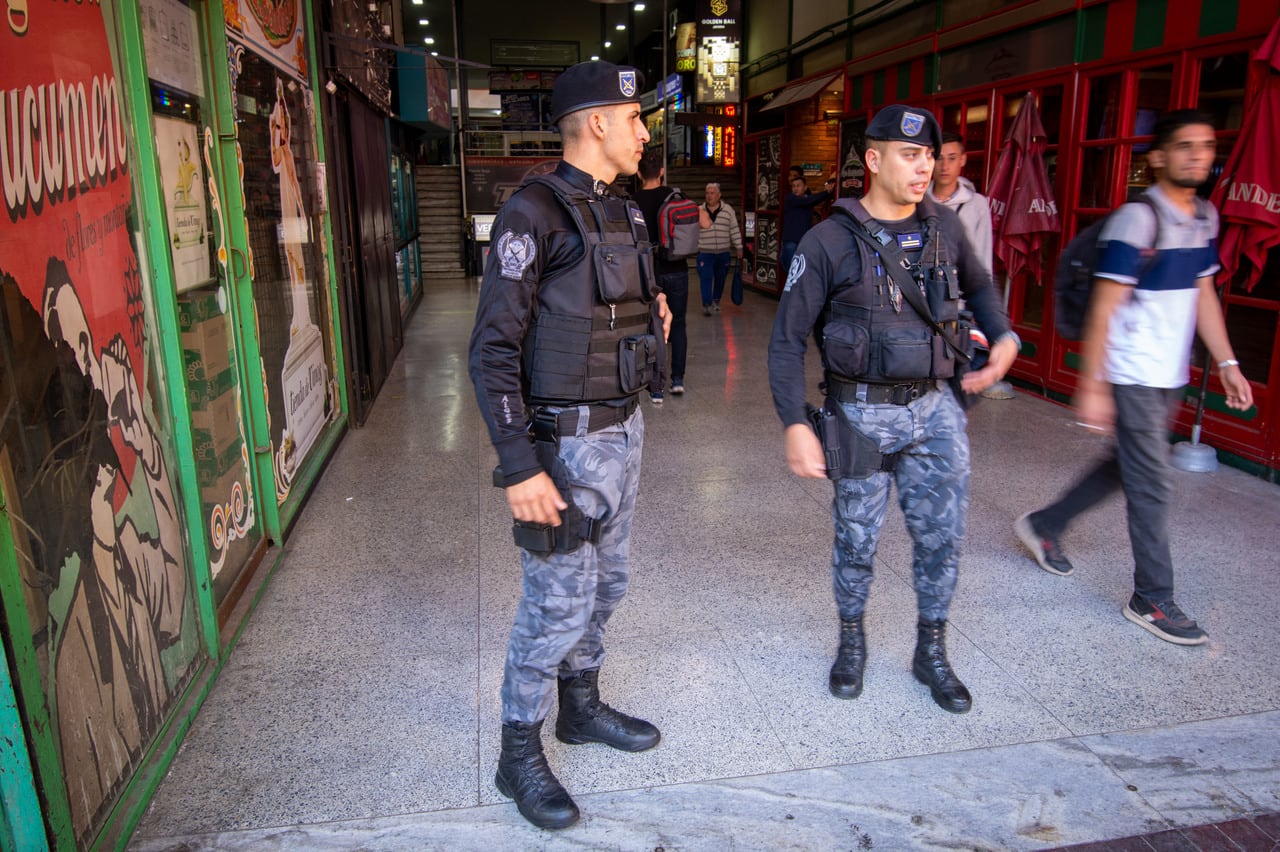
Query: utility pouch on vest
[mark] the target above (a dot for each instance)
(846, 343)
(848, 453)
(906, 353)
(637, 359)
(620, 273)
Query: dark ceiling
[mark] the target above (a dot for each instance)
(586, 25)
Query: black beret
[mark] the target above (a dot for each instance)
(901, 123)
(593, 84)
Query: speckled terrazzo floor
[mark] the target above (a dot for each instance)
(360, 711)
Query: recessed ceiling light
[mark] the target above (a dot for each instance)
(595, 59)
(608, 44)
(423, 22)
(435, 53)
(418, 2)
(621, 27)
(639, 7)
(428, 40)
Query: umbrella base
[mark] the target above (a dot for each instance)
(1000, 390)
(1194, 457)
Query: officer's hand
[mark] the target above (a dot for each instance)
(664, 314)
(804, 452)
(1095, 405)
(1003, 354)
(536, 500)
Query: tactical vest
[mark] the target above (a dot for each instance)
(590, 340)
(868, 335)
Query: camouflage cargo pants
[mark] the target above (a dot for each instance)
(568, 597)
(933, 491)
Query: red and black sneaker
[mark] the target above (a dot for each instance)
(1166, 620)
(1044, 548)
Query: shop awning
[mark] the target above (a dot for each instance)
(797, 92)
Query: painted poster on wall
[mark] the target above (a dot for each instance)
(276, 132)
(85, 460)
(182, 176)
(273, 28)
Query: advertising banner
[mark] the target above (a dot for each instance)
(84, 464)
(719, 51)
(491, 180)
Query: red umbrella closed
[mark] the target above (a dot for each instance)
(1248, 193)
(1022, 205)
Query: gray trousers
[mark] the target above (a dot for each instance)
(1139, 464)
(568, 597)
(933, 490)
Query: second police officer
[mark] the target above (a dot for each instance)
(886, 368)
(564, 341)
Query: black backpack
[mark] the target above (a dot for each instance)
(1073, 282)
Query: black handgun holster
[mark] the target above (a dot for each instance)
(849, 453)
(575, 527)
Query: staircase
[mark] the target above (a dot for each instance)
(440, 225)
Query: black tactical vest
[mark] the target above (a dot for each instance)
(869, 335)
(590, 340)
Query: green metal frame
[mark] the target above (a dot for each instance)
(23, 827)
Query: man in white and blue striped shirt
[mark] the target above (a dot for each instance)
(1149, 300)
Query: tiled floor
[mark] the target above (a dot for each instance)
(360, 708)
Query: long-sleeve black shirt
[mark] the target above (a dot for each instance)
(541, 239)
(831, 260)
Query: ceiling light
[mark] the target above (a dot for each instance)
(428, 40)
(418, 2)
(595, 59)
(423, 22)
(435, 53)
(608, 44)
(621, 27)
(639, 7)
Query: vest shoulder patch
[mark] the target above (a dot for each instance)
(516, 253)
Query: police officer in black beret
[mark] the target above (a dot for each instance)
(888, 396)
(564, 341)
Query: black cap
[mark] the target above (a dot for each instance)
(901, 123)
(593, 84)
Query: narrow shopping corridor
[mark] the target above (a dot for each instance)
(359, 708)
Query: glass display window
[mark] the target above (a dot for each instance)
(275, 127)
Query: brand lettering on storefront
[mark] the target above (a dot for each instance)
(58, 140)
(299, 396)
(1254, 193)
(1047, 207)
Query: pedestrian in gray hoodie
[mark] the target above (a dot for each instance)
(952, 190)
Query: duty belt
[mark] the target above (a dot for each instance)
(599, 416)
(878, 394)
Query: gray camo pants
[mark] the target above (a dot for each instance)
(933, 490)
(568, 597)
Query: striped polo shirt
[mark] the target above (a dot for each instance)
(1149, 339)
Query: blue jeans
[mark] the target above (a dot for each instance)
(713, 268)
(1138, 464)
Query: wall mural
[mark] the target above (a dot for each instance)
(84, 464)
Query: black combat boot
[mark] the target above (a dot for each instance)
(851, 658)
(584, 718)
(523, 775)
(932, 669)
